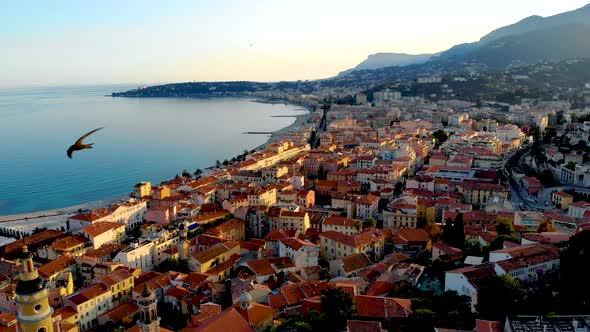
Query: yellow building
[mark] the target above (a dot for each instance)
(426, 210)
(216, 261)
(561, 199)
(335, 245)
(34, 313)
(143, 189)
(121, 283)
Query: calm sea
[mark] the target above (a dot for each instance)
(143, 140)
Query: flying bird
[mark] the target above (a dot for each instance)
(79, 145)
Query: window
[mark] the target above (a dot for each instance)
(38, 308)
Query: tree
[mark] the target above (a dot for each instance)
(338, 306)
(217, 163)
(439, 137)
(186, 173)
(369, 223)
(574, 286)
(499, 296)
(434, 231)
(504, 226)
(358, 225)
(225, 162)
(546, 226)
(198, 172)
(454, 231)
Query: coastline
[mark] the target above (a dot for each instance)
(58, 213)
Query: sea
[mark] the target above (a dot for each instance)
(144, 139)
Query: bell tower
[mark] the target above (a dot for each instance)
(183, 246)
(34, 311)
(148, 311)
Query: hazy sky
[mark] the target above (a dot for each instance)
(89, 42)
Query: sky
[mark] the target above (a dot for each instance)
(72, 42)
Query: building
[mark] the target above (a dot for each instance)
(551, 323)
(578, 209)
(335, 245)
(296, 220)
(104, 232)
(35, 313)
(245, 316)
(90, 302)
(529, 219)
(561, 199)
(349, 266)
(217, 260)
(302, 253)
(342, 225)
(137, 255)
(367, 207)
(234, 229)
(467, 280)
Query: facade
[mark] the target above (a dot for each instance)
(335, 245)
(293, 220)
(90, 302)
(138, 255)
(104, 232)
(302, 253)
(340, 224)
(561, 199)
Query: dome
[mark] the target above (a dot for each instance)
(245, 297)
(28, 287)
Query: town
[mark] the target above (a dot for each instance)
(389, 212)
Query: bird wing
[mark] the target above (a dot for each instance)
(70, 150)
(79, 141)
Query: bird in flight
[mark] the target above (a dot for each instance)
(79, 145)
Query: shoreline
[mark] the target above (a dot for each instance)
(300, 119)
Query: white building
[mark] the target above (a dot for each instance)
(465, 280)
(578, 209)
(340, 224)
(138, 255)
(104, 232)
(302, 253)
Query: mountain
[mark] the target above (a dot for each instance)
(381, 60)
(552, 44)
(522, 28)
(533, 39)
(532, 23)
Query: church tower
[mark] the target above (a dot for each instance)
(148, 311)
(183, 246)
(34, 312)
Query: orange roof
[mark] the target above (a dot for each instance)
(99, 228)
(356, 240)
(295, 243)
(256, 313)
(88, 293)
(339, 221)
(229, 320)
(382, 307)
(64, 262)
(355, 262)
(121, 311)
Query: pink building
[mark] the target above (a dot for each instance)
(161, 214)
